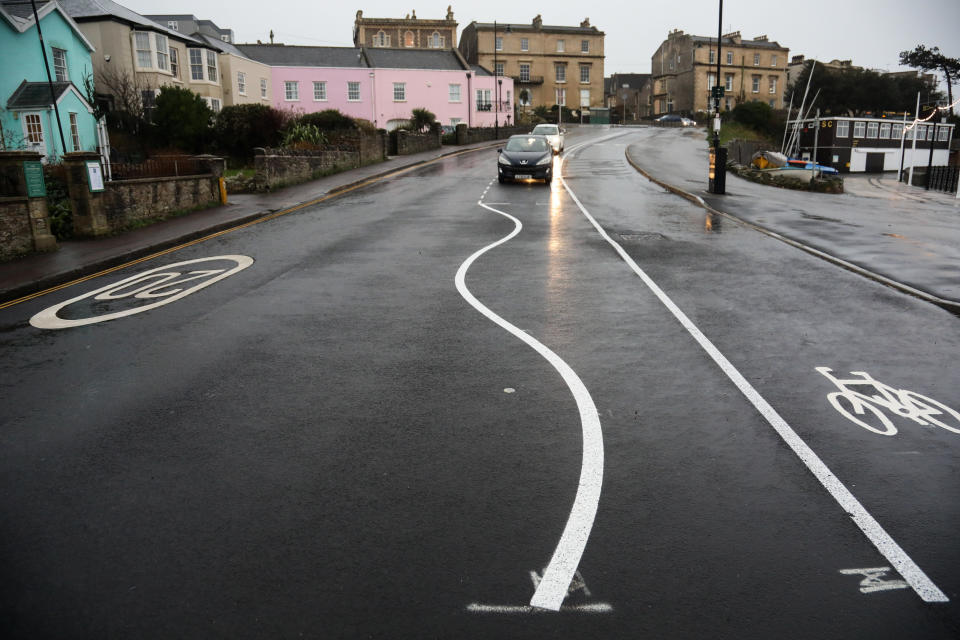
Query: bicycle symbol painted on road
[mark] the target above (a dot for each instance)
(875, 398)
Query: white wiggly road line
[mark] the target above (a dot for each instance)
(559, 573)
(915, 577)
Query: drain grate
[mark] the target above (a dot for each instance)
(638, 238)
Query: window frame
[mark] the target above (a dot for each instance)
(65, 76)
(241, 83)
(454, 96)
(291, 90)
(584, 77)
(139, 50)
(399, 91)
(524, 44)
(75, 131)
(756, 59)
(729, 57)
(755, 84)
(162, 52)
(264, 89)
(584, 46)
(561, 46)
(320, 91)
(498, 43)
(351, 85)
(213, 70)
(873, 130)
(885, 130)
(772, 84)
(842, 125)
(498, 68)
(174, 62)
(859, 129)
(560, 72)
(194, 65)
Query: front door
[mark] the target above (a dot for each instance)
(33, 135)
(874, 163)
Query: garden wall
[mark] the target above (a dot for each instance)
(279, 167)
(409, 143)
(129, 203)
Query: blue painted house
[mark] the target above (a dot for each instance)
(27, 117)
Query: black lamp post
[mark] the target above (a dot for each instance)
(718, 155)
(499, 86)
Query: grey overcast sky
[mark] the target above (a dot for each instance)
(869, 32)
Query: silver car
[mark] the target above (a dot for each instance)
(554, 134)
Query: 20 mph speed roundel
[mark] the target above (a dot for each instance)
(140, 292)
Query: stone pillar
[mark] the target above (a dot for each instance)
(89, 208)
(27, 219)
(214, 165)
(461, 133)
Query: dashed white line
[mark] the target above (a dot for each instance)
(597, 607)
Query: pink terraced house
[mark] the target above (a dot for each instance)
(385, 85)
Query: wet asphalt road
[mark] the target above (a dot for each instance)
(333, 443)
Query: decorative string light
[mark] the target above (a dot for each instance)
(917, 121)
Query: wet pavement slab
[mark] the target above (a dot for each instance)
(901, 234)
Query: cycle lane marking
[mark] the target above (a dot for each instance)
(553, 587)
(885, 544)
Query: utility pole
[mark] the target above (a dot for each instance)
(46, 65)
(913, 150)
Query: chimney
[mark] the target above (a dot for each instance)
(586, 23)
(537, 22)
(760, 39)
(733, 36)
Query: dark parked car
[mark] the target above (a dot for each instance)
(677, 118)
(525, 157)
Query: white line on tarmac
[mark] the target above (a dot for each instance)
(915, 577)
(597, 607)
(566, 557)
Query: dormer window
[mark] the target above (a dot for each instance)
(436, 40)
(381, 39)
(173, 25)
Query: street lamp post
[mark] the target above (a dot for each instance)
(718, 155)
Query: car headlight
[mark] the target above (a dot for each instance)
(545, 160)
(503, 160)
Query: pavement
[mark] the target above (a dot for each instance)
(899, 235)
(902, 236)
(79, 258)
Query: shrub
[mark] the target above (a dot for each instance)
(421, 119)
(303, 135)
(58, 201)
(238, 129)
(328, 120)
(182, 119)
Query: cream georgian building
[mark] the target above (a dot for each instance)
(549, 64)
(684, 70)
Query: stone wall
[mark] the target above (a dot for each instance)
(24, 220)
(409, 143)
(280, 167)
(132, 202)
(466, 135)
(129, 203)
(16, 237)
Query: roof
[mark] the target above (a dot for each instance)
(758, 44)
(279, 55)
(219, 45)
(20, 16)
(21, 8)
(90, 10)
(632, 80)
(502, 26)
(437, 59)
(36, 95)
(480, 71)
